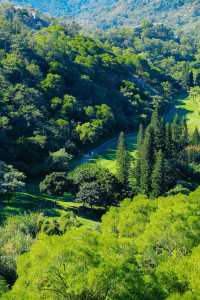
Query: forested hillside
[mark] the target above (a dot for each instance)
(62, 92)
(99, 156)
(114, 13)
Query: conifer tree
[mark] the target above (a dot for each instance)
(176, 135)
(140, 136)
(197, 80)
(122, 160)
(191, 79)
(147, 154)
(195, 137)
(158, 129)
(157, 180)
(168, 141)
(137, 168)
(184, 138)
(185, 75)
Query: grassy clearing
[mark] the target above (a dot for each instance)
(107, 158)
(190, 108)
(33, 201)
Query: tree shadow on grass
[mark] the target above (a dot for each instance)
(51, 206)
(25, 202)
(88, 213)
(177, 109)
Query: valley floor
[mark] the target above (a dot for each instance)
(104, 155)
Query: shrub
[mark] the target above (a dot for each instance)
(54, 184)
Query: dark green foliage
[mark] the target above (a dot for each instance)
(90, 193)
(197, 80)
(168, 141)
(122, 160)
(191, 79)
(157, 184)
(176, 134)
(54, 184)
(184, 138)
(61, 93)
(137, 170)
(163, 156)
(58, 226)
(140, 136)
(146, 162)
(195, 137)
(94, 185)
(158, 130)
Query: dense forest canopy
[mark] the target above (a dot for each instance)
(115, 13)
(62, 92)
(142, 250)
(99, 152)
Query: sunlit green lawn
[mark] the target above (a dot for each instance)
(107, 159)
(33, 201)
(190, 107)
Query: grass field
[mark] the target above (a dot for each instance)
(191, 106)
(107, 158)
(33, 201)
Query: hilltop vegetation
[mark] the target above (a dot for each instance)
(106, 14)
(62, 92)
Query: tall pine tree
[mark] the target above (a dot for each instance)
(176, 135)
(158, 129)
(190, 79)
(147, 154)
(195, 137)
(137, 168)
(197, 80)
(184, 138)
(168, 141)
(122, 160)
(157, 180)
(140, 136)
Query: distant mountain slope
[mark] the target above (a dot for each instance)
(109, 13)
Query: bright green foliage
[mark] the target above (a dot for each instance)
(58, 226)
(59, 160)
(89, 132)
(16, 236)
(143, 250)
